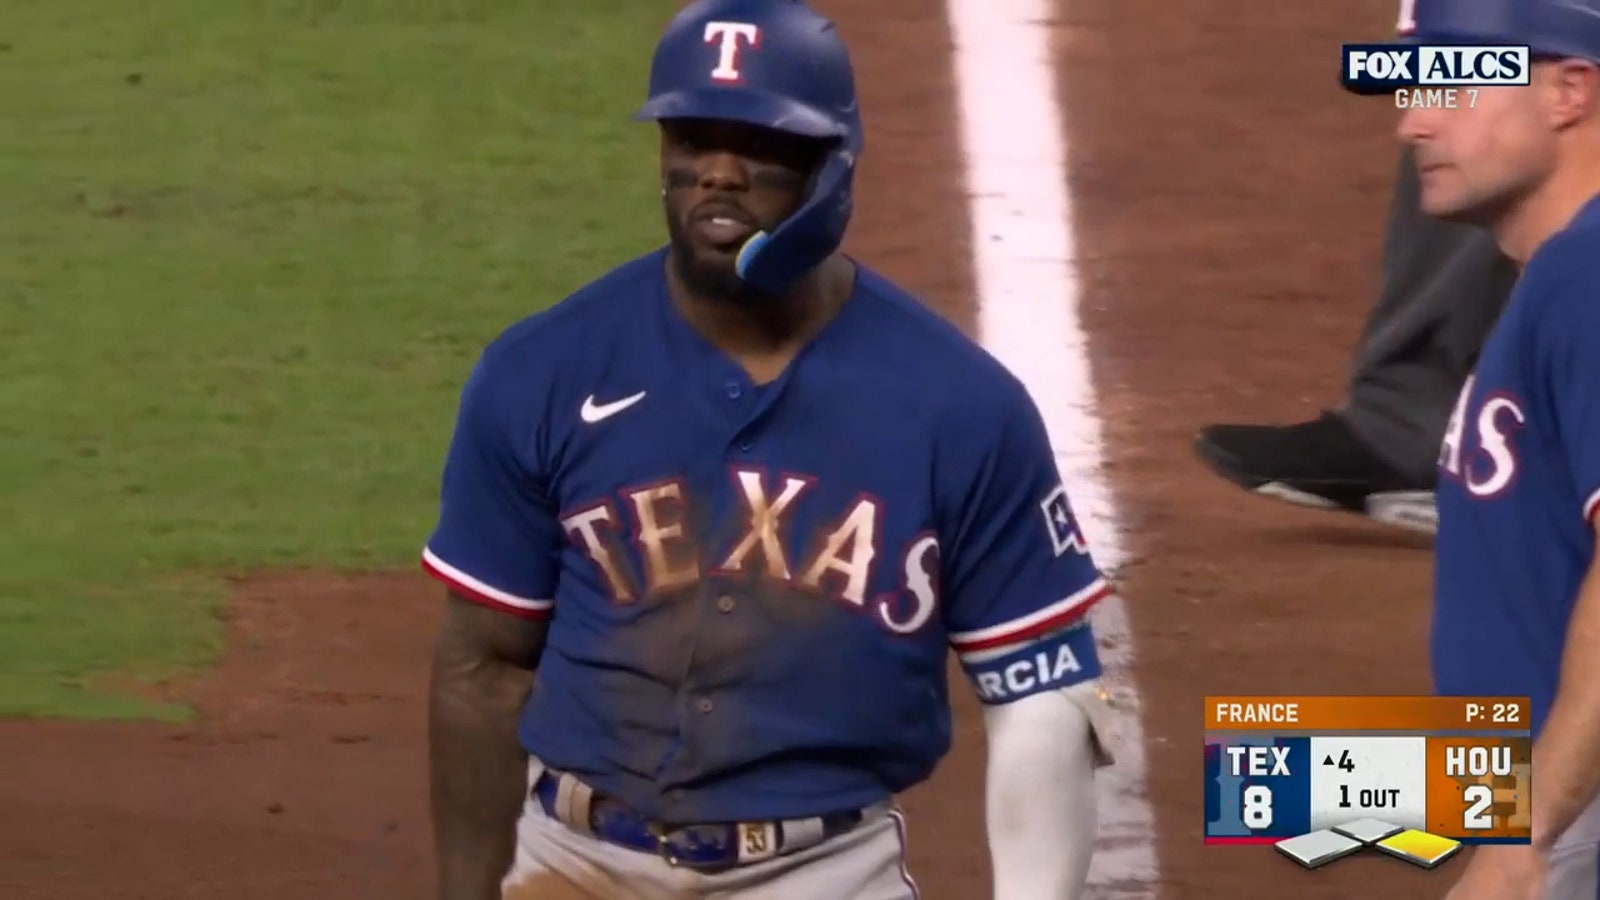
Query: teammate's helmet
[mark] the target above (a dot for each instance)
(1549, 27)
(779, 64)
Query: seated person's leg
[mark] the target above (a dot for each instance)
(1444, 286)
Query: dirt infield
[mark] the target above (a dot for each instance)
(1229, 220)
(1230, 217)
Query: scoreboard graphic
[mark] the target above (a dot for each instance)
(1321, 778)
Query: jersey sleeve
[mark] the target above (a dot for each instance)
(1017, 576)
(1571, 353)
(498, 539)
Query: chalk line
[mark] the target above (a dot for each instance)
(1014, 142)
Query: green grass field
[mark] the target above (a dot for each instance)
(250, 253)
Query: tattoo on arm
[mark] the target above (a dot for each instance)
(483, 666)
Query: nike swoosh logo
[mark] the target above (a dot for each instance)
(598, 412)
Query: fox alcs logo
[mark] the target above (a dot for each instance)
(1376, 67)
(730, 38)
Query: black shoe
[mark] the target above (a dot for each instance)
(1320, 464)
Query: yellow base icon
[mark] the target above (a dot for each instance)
(1420, 848)
(1319, 848)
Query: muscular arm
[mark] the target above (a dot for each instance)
(1043, 751)
(1567, 753)
(482, 671)
(1019, 583)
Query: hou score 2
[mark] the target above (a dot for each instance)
(1478, 762)
(1436, 98)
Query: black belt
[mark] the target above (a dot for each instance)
(705, 848)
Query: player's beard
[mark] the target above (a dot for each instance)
(707, 277)
(714, 278)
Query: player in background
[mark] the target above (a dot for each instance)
(1443, 286)
(1517, 600)
(735, 502)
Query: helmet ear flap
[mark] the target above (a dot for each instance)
(771, 261)
(814, 179)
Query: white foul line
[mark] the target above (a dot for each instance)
(1023, 258)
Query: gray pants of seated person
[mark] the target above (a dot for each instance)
(1444, 286)
(1574, 873)
(555, 862)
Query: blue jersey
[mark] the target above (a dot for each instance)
(753, 589)
(1520, 481)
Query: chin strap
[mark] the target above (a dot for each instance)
(771, 261)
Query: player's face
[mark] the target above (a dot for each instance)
(1478, 160)
(722, 182)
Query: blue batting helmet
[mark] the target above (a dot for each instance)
(1549, 27)
(778, 64)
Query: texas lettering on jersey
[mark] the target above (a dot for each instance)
(742, 575)
(1519, 484)
(668, 555)
(1479, 447)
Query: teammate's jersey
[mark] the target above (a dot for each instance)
(1520, 481)
(754, 588)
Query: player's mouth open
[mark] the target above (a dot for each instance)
(723, 227)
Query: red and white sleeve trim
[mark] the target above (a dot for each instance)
(1591, 506)
(1052, 618)
(475, 590)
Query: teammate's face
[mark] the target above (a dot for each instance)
(1478, 160)
(722, 182)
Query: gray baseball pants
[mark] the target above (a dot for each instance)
(1444, 286)
(1574, 873)
(557, 862)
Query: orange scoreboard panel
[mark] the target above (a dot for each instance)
(1321, 777)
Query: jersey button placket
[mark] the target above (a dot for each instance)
(725, 603)
(705, 705)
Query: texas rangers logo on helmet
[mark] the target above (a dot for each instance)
(727, 37)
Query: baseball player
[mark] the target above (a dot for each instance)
(733, 503)
(1444, 284)
(1517, 600)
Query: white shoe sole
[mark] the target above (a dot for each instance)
(1411, 510)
